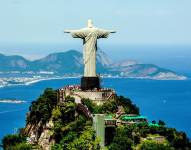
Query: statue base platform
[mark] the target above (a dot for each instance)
(89, 83)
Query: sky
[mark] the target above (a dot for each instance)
(34, 28)
(136, 21)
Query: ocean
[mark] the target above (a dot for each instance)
(169, 101)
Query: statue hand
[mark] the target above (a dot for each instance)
(67, 31)
(112, 31)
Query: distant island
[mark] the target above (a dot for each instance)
(12, 101)
(70, 64)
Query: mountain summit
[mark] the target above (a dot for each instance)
(71, 62)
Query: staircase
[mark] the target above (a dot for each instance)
(84, 109)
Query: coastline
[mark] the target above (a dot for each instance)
(67, 77)
(35, 81)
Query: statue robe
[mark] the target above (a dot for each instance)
(90, 36)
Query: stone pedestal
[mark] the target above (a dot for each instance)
(89, 83)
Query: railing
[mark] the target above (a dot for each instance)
(84, 109)
(110, 123)
(112, 94)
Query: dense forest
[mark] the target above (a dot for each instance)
(72, 130)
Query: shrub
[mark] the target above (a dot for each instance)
(21, 146)
(108, 107)
(122, 139)
(86, 141)
(12, 140)
(127, 104)
(151, 145)
(41, 109)
(162, 123)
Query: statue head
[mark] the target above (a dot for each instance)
(90, 23)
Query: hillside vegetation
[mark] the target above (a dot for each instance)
(72, 130)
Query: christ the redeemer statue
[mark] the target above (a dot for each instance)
(90, 34)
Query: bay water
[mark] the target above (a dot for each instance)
(169, 101)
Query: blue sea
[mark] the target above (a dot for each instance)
(169, 101)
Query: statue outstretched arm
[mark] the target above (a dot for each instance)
(76, 33)
(104, 33)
